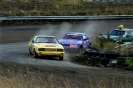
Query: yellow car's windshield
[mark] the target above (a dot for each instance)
(46, 40)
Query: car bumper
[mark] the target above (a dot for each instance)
(55, 54)
(71, 49)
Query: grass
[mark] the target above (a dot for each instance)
(107, 44)
(103, 44)
(129, 61)
(62, 8)
(18, 79)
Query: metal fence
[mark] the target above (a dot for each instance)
(101, 17)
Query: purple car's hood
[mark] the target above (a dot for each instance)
(69, 41)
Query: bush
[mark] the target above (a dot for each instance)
(129, 61)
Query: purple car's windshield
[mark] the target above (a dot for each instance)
(73, 36)
(117, 32)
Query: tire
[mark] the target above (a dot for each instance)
(30, 52)
(120, 61)
(61, 58)
(35, 54)
(103, 62)
(94, 48)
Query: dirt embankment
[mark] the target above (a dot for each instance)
(82, 77)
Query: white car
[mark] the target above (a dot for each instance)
(116, 35)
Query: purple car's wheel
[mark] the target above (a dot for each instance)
(80, 50)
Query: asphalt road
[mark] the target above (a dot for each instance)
(14, 48)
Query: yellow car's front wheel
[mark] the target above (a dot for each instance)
(60, 58)
(35, 54)
(30, 52)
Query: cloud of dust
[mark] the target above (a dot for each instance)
(54, 30)
(91, 28)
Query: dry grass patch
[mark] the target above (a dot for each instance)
(30, 79)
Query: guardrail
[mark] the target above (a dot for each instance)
(101, 17)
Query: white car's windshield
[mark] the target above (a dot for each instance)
(46, 40)
(117, 32)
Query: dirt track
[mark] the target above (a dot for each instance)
(80, 76)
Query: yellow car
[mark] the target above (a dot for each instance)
(46, 46)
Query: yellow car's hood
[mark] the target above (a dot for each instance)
(48, 45)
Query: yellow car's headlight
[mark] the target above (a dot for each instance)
(60, 50)
(41, 49)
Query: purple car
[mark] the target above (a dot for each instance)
(75, 41)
